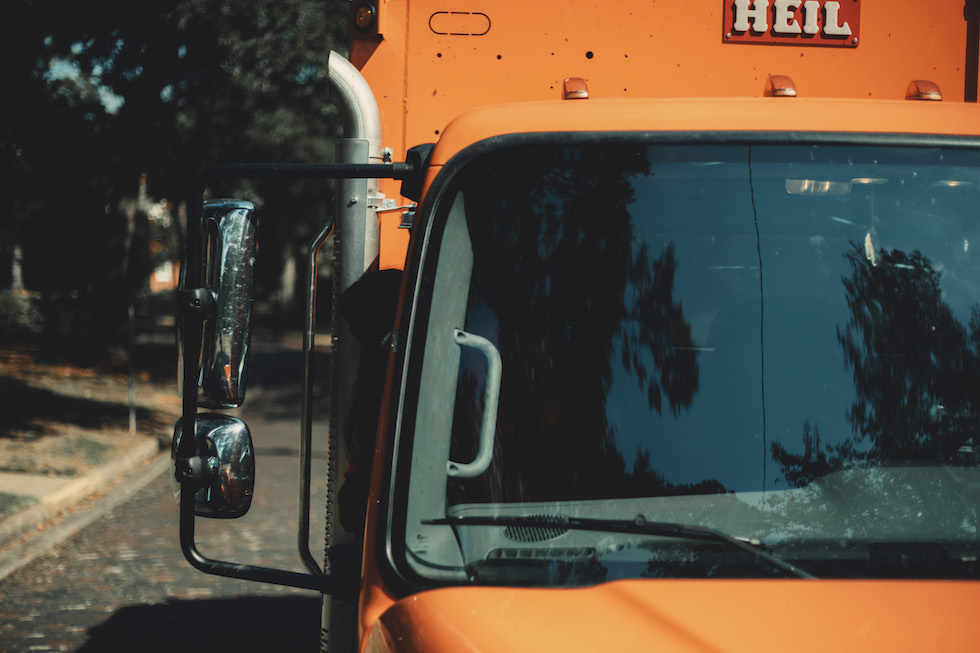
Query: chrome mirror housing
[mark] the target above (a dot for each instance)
(224, 449)
(229, 256)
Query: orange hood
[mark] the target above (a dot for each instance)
(689, 615)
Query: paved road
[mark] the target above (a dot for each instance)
(121, 583)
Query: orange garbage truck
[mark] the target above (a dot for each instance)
(658, 329)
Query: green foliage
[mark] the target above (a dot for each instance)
(11, 503)
(104, 93)
(17, 314)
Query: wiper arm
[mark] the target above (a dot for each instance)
(637, 526)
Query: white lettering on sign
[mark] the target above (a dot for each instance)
(810, 10)
(785, 19)
(830, 25)
(754, 15)
(758, 13)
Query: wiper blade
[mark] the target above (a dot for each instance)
(637, 526)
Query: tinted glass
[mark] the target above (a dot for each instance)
(776, 341)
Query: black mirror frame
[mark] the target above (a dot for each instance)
(196, 303)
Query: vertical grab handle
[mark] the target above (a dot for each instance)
(491, 394)
(306, 418)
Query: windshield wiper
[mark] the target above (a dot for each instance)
(636, 526)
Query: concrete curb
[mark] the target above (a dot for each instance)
(57, 502)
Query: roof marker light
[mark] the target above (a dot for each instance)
(780, 86)
(363, 15)
(923, 89)
(575, 89)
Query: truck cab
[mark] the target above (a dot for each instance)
(686, 341)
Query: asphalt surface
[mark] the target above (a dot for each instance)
(108, 575)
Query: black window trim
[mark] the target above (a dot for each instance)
(392, 559)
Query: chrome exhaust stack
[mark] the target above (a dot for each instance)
(358, 248)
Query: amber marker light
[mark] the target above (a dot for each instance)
(923, 89)
(364, 16)
(779, 86)
(575, 88)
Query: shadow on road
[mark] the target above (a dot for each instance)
(278, 371)
(24, 404)
(245, 624)
(45, 389)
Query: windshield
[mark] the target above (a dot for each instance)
(778, 342)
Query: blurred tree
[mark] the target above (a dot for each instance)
(912, 367)
(569, 294)
(99, 95)
(914, 371)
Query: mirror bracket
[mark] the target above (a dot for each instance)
(200, 305)
(191, 472)
(198, 301)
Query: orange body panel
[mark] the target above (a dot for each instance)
(432, 62)
(697, 615)
(457, 75)
(394, 238)
(423, 79)
(710, 115)
(888, 598)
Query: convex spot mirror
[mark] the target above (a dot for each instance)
(228, 259)
(224, 445)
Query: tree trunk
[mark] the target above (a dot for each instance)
(287, 281)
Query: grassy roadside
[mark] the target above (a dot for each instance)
(65, 411)
(11, 503)
(61, 419)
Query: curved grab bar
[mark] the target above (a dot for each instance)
(491, 395)
(306, 419)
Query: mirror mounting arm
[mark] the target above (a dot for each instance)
(323, 584)
(199, 304)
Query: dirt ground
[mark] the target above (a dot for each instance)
(61, 419)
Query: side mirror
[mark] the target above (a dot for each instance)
(229, 255)
(224, 448)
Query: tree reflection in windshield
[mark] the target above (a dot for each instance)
(909, 358)
(913, 368)
(669, 316)
(564, 289)
(641, 354)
